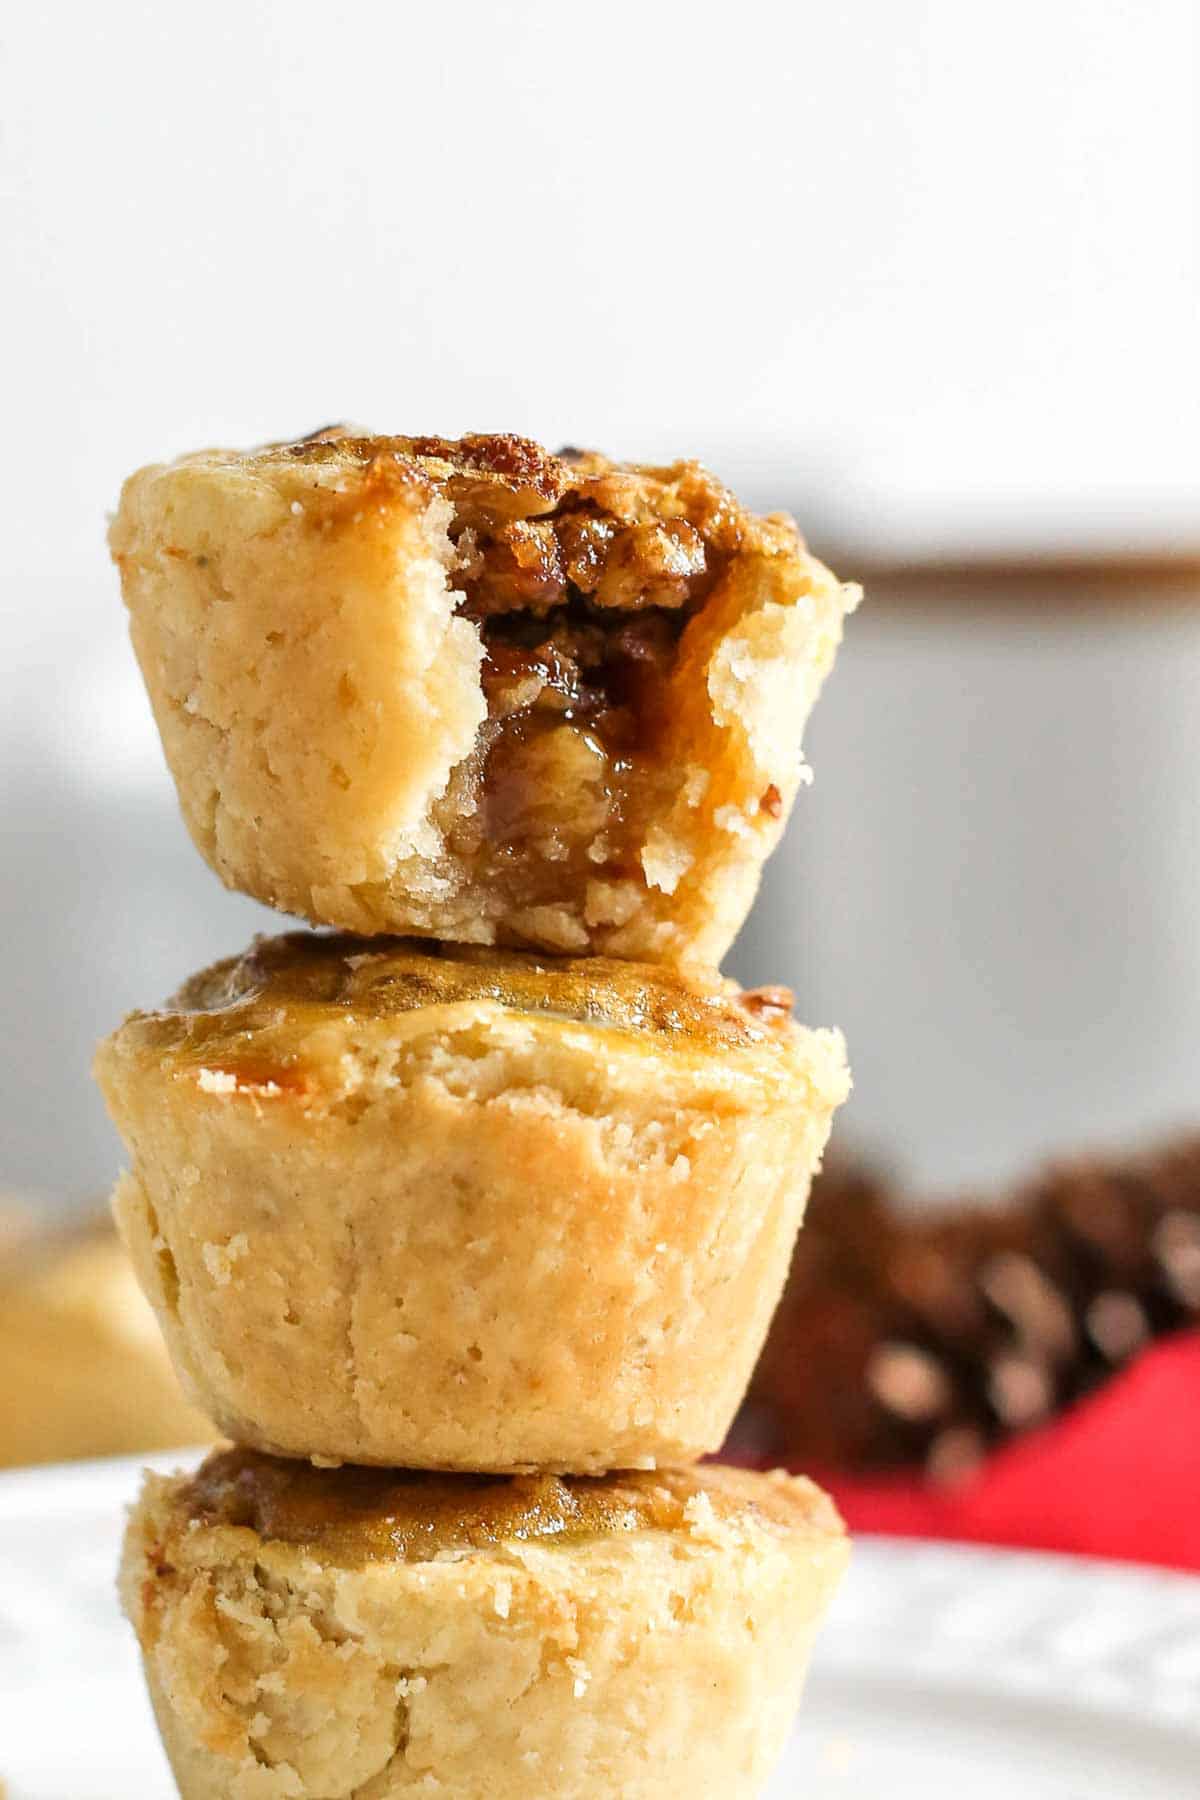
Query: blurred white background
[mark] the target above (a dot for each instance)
(925, 272)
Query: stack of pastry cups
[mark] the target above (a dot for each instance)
(470, 1252)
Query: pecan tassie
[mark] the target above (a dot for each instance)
(477, 691)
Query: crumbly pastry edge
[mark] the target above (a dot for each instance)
(277, 1678)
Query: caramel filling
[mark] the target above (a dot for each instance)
(255, 1016)
(581, 618)
(582, 577)
(356, 1515)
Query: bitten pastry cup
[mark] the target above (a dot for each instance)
(477, 692)
(349, 1633)
(468, 1210)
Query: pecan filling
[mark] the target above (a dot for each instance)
(575, 701)
(581, 617)
(582, 577)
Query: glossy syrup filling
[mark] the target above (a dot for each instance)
(259, 1019)
(581, 576)
(581, 620)
(357, 1515)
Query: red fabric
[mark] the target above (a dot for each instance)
(1118, 1476)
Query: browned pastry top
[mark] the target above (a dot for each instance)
(301, 978)
(533, 529)
(359, 1515)
(923, 1336)
(621, 528)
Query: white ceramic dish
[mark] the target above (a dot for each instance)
(943, 1672)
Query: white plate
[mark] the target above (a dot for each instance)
(942, 1672)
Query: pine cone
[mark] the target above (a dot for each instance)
(919, 1339)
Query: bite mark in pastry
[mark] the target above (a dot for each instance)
(346, 1633)
(472, 690)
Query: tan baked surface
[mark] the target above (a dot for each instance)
(639, 1660)
(83, 1367)
(545, 1229)
(289, 992)
(475, 691)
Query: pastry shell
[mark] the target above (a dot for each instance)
(467, 1210)
(645, 1638)
(474, 691)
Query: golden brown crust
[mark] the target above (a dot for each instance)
(496, 478)
(475, 691)
(514, 472)
(312, 976)
(303, 1016)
